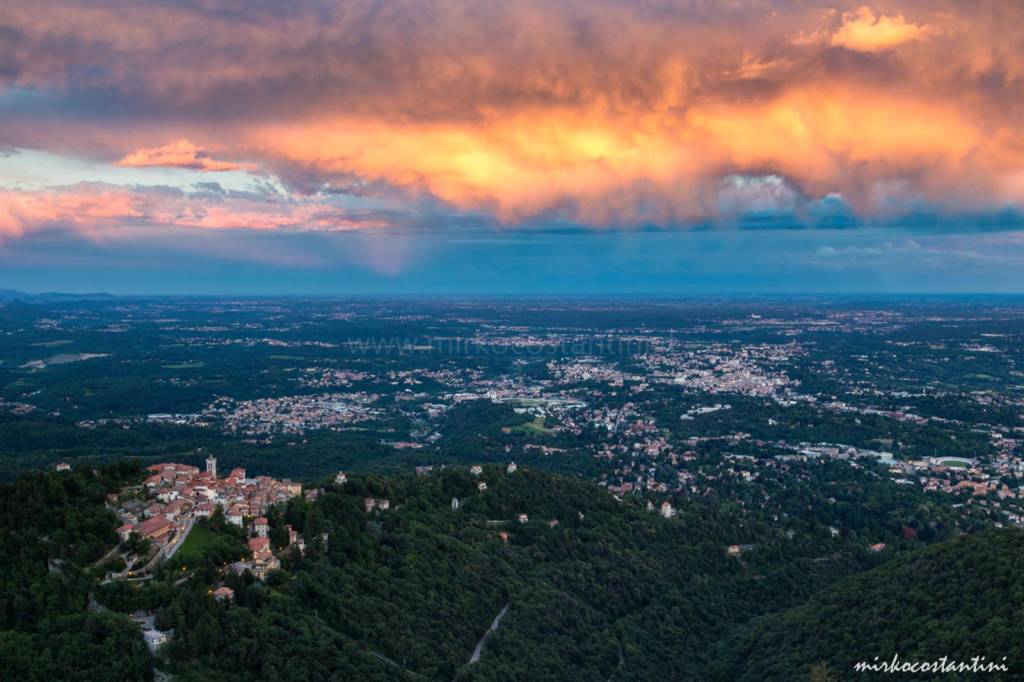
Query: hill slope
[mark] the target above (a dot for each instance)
(53, 530)
(960, 599)
(610, 589)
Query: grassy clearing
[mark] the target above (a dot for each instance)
(533, 427)
(198, 541)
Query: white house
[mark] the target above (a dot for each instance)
(154, 638)
(235, 515)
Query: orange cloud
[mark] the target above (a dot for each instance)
(869, 32)
(180, 154)
(24, 212)
(99, 210)
(605, 112)
(606, 167)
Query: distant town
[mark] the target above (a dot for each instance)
(671, 400)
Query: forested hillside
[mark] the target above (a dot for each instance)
(595, 588)
(959, 599)
(54, 528)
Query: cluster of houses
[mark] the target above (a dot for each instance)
(372, 503)
(177, 494)
(263, 559)
(383, 504)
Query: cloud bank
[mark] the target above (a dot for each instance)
(102, 211)
(180, 154)
(605, 113)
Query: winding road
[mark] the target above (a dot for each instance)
(165, 552)
(491, 630)
(180, 540)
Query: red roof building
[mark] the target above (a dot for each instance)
(155, 527)
(256, 544)
(224, 594)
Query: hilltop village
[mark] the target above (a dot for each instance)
(161, 513)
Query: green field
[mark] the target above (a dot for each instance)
(954, 462)
(532, 427)
(198, 541)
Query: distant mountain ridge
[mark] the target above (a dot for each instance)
(8, 295)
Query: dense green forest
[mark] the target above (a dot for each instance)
(54, 529)
(959, 599)
(610, 589)
(595, 588)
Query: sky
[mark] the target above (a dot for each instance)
(452, 146)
